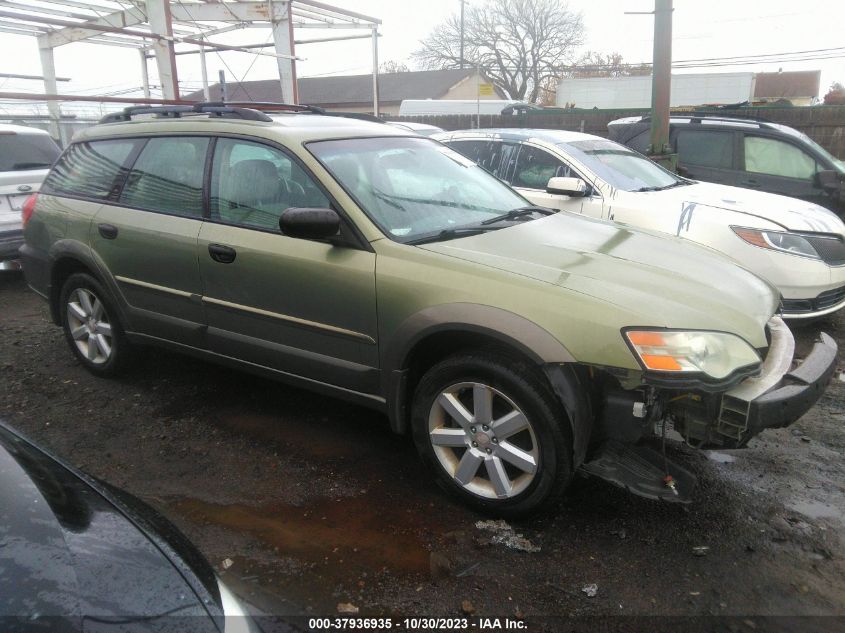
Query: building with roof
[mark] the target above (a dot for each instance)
(354, 93)
(800, 87)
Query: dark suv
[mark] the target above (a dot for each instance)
(745, 152)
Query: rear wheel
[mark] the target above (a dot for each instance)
(91, 327)
(492, 433)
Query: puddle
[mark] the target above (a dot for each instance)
(331, 547)
(349, 531)
(816, 510)
(721, 458)
(309, 434)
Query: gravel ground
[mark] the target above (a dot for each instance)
(302, 502)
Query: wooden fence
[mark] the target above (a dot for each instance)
(823, 124)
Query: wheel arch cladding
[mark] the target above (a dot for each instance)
(422, 335)
(68, 257)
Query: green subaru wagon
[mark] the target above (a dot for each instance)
(515, 345)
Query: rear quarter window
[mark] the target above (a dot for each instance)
(91, 169)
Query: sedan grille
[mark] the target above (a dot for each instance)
(825, 300)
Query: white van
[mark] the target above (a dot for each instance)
(433, 107)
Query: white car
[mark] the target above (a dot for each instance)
(26, 155)
(423, 129)
(796, 245)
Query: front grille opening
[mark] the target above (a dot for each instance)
(825, 300)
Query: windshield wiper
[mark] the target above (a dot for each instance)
(514, 214)
(677, 183)
(450, 234)
(30, 165)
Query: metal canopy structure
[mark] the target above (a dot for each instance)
(164, 29)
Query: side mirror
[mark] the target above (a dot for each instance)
(574, 187)
(309, 223)
(830, 180)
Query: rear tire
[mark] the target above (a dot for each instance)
(492, 433)
(91, 327)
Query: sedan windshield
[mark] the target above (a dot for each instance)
(413, 188)
(621, 167)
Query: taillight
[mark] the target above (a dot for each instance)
(28, 208)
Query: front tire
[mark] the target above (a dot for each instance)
(492, 433)
(91, 327)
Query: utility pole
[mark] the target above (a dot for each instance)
(224, 97)
(661, 85)
(463, 2)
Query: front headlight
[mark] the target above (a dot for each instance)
(716, 354)
(782, 241)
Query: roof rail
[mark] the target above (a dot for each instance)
(715, 116)
(709, 114)
(271, 106)
(213, 109)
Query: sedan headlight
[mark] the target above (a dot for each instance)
(782, 241)
(716, 354)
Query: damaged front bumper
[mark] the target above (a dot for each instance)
(775, 398)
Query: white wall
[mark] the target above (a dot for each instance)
(635, 92)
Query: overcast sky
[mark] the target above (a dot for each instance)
(715, 28)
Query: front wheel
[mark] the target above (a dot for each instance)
(91, 326)
(492, 433)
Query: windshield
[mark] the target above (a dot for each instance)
(838, 164)
(19, 152)
(412, 187)
(621, 167)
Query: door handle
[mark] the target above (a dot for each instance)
(222, 254)
(751, 182)
(107, 231)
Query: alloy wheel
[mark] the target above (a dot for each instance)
(89, 326)
(483, 440)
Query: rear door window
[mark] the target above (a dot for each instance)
(772, 157)
(21, 152)
(705, 148)
(92, 169)
(167, 176)
(496, 157)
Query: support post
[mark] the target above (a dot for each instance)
(224, 93)
(145, 74)
(204, 68)
(283, 41)
(158, 14)
(375, 70)
(48, 71)
(661, 85)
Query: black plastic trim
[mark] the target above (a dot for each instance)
(799, 391)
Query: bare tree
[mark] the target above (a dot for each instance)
(594, 64)
(393, 66)
(519, 44)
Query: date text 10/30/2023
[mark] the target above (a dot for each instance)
(416, 624)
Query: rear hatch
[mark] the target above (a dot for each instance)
(25, 160)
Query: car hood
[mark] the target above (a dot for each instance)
(658, 279)
(66, 552)
(791, 213)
